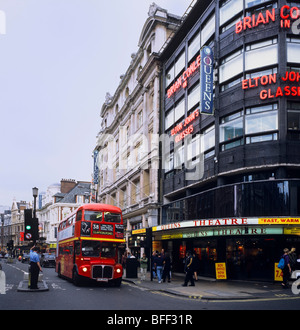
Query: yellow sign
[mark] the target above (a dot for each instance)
(139, 231)
(175, 236)
(278, 275)
(221, 271)
(292, 231)
(279, 221)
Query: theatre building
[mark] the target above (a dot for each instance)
(230, 178)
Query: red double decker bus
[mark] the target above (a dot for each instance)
(88, 242)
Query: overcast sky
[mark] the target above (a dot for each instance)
(58, 58)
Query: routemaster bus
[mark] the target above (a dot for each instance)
(88, 242)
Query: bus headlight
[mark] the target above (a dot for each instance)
(84, 269)
(118, 270)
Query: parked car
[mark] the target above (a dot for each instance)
(48, 260)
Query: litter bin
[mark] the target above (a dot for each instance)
(131, 268)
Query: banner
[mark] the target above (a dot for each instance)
(207, 81)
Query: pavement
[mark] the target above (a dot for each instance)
(211, 289)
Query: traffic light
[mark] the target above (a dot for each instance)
(31, 227)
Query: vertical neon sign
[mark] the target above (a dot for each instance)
(207, 81)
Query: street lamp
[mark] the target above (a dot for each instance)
(35, 192)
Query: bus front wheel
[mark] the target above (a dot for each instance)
(76, 278)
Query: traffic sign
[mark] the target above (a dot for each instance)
(28, 236)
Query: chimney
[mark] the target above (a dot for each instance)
(66, 185)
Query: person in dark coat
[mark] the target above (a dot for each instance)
(167, 268)
(189, 270)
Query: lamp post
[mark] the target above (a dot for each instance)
(35, 192)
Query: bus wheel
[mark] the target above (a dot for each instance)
(76, 278)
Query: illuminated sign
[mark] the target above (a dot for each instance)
(185, 128)
(287, 14)
(221, 271)
(207, 81)
(289, 90)
(182, 80)
(228, 222)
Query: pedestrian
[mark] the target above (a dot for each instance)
(124, 257)
(35, 268)
(159, 262)
(144, 265)
(293, 258)
(196, 265)
(287, 269)
(189, 270)
(167, 268)
(153, 269)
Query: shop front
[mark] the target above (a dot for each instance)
(250, 247)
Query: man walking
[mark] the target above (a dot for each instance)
(189, 270)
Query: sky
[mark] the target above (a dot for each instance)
(58, 59)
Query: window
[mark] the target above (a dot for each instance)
(79, 216)
(112, 217)
(209, 141)
(231, 66)
(93, 215)
(170, 76)
(250, 3)
(293, 110)
(293, 48)
(261, 73)
(169, 120)
(180, 64)
(229, 9)
(208, 30)
(261, 54)
(194, 47)
(140, 119)
(194, 97)
(169, 162)
(231, 131)
(179, 110)
(261, 119)
(179, 157)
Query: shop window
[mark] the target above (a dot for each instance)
(293, 49)
(229, 9)
(231, 66)
(260, 120)
(261, 54)
(231, 131)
